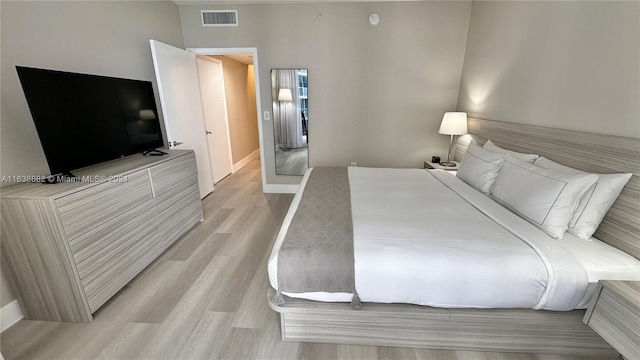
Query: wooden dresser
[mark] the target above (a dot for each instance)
(614, 313)
(71, 246)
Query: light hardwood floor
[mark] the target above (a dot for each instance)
(205, 297)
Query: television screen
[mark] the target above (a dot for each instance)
(87, 119)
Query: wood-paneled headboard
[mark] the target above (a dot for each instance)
(596, 153)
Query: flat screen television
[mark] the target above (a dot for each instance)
(87, 119)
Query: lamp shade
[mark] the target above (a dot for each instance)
(146, 114)
(285, 95)
(454, 123)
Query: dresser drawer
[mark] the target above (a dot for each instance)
(173, 174)
(85, 210)
(101, 245)
(177, 197)
(178, 212)
(113, 253)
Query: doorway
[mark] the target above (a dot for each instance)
(240, 75)
(227, 88)
(182, 105)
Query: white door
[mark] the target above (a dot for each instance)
(179, 90)
(215, 116)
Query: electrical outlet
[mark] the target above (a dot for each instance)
(353, 163)
(267, 116)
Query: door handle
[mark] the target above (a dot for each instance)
(176, 143)
(208, 132)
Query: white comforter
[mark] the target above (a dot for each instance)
(427, 238)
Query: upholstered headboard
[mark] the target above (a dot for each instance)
(596, 153)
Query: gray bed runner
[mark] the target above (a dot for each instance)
(317, 251)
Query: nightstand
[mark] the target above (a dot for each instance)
(431, 166)
(614, 313)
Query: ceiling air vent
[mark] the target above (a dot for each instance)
(219, 17)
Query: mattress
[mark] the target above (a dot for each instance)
(418, 241)
(601, 261)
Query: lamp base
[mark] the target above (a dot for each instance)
(447, 164)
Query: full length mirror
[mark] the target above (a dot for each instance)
(290, 120)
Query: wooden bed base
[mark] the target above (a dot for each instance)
(404, 325)
(505, 330)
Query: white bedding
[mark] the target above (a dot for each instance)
(452, 255)
(601, 261)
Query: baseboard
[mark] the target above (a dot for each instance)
(10, 314)
(280, 188)
(237, 166)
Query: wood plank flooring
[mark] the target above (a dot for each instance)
(204, 298)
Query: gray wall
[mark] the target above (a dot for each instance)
(376, 95)
(571, 65)
(104, 38)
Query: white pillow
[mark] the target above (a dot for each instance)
(544, 197)
(596, 202)
(479, 168)
(490, 146)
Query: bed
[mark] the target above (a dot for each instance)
(426, 281)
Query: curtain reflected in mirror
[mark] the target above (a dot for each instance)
(290, 120)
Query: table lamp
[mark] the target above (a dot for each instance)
(453, 123)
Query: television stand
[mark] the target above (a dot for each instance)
(154, 152)
(70, 247)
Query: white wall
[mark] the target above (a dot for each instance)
(571, 65)
(376, 95)
(104, 38)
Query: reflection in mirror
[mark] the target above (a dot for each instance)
(290, 120)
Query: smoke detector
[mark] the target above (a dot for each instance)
(374, 19)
